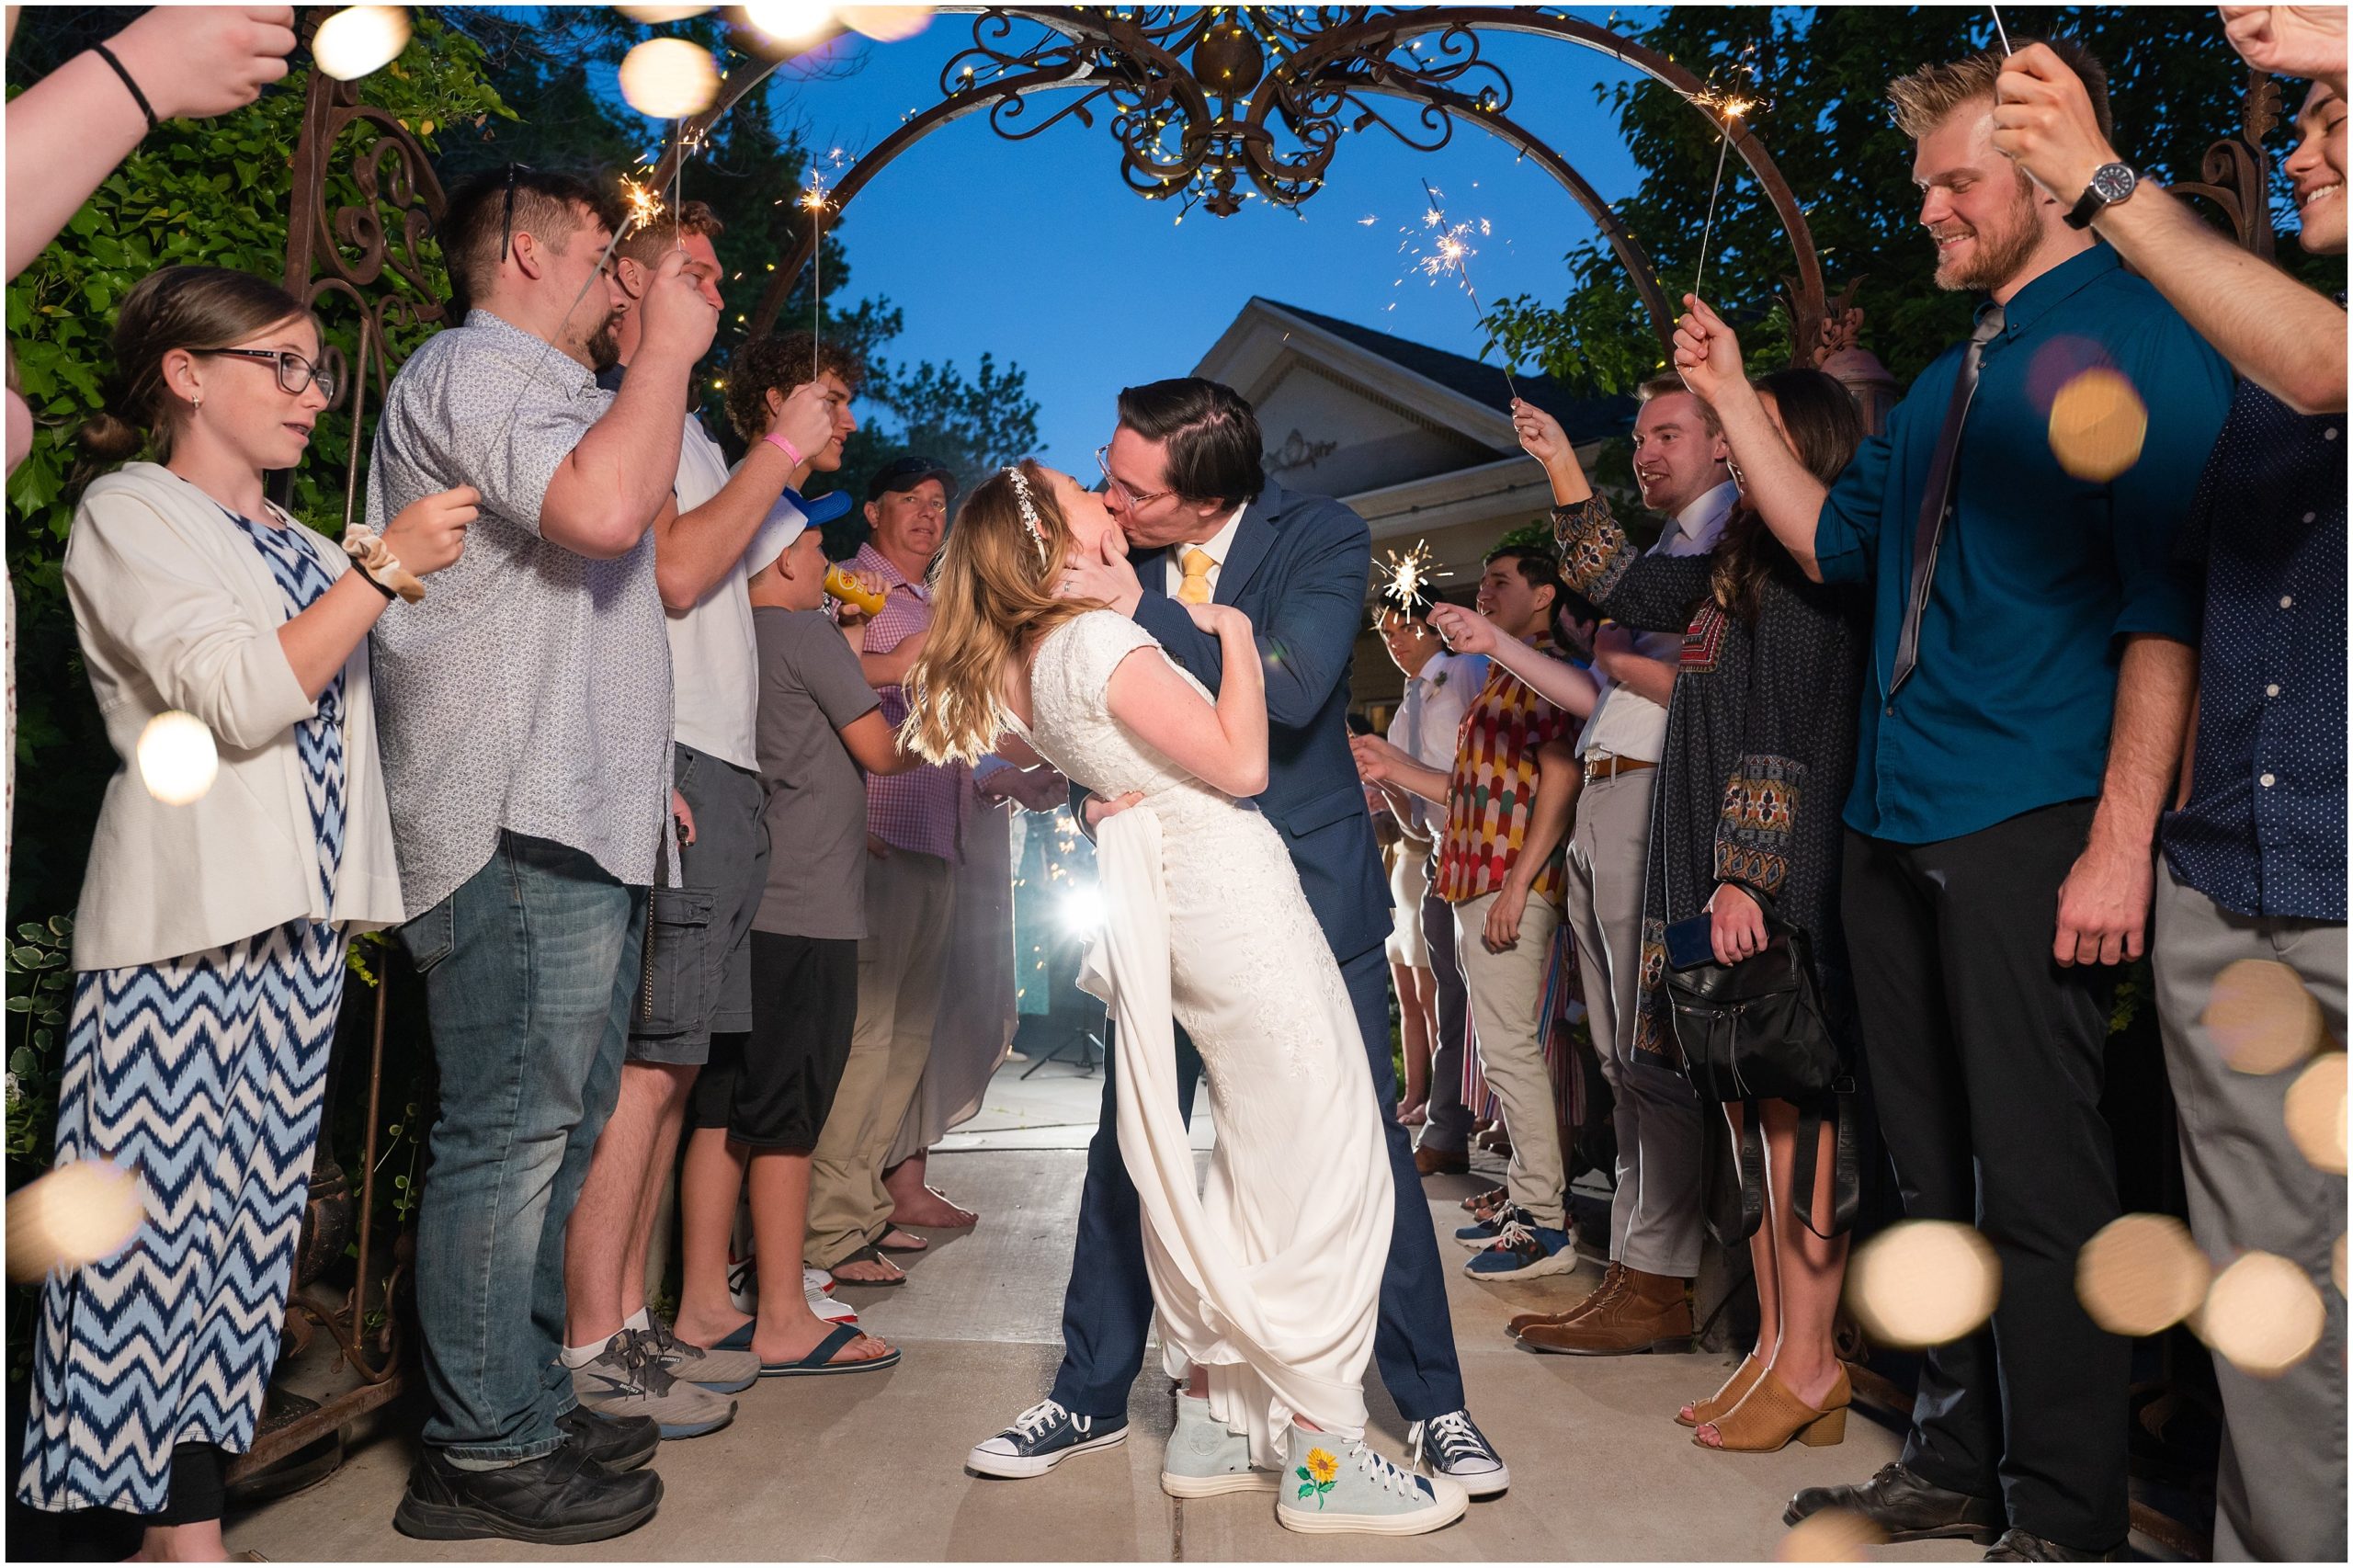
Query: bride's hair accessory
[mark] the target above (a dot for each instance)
(1028, 507)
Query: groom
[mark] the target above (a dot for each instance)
(1184, 479)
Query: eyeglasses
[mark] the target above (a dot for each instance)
(294, 373)
(507, 215)
(1103, 461)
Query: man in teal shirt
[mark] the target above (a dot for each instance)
(2030, 680)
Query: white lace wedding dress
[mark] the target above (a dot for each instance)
(1269, 1276)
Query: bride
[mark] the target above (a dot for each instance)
(1268, 1280)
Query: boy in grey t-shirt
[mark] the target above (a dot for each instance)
(759, 1108)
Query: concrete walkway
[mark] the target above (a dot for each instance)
(872, 1467)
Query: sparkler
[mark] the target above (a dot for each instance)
(813, 201)
(1728, 111)
(1999, 31)
(1451, 251)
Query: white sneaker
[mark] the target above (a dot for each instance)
(830, 1310)
(1336, 1485)
(816, 1280)
(1205, 1460)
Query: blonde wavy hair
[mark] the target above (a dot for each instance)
(991, 599)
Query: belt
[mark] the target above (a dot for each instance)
(1602, 765)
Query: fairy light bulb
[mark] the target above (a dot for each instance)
(789, 21)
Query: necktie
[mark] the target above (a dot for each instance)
(1937, 500)
(1195, 588)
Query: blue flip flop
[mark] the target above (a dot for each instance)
(819, 1363)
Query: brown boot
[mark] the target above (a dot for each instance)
(1611, 1279)
(1442, 1162)
(1650, 1311)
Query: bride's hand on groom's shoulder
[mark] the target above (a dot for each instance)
(1218, 620)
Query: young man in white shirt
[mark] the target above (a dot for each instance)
(697, 981)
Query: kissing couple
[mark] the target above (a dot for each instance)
(1179, 644)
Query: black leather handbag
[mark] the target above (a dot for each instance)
(1756, 1030)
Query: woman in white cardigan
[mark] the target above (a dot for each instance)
(208, 947)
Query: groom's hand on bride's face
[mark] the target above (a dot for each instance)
(1103, 574)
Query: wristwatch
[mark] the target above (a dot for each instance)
(2111, 183)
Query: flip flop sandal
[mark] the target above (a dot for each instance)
(869, 1255)
(884, 1243)
(820, 1363)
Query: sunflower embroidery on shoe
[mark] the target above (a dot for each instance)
(1318, 1475)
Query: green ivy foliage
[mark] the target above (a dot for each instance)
(216, 193)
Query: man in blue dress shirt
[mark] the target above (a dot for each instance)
(2030, 688)
(2254, 860)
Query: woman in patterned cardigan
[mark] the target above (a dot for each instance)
(209, 944)
(1760, 747)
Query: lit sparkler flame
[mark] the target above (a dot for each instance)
(644, 203)
(1408, 574)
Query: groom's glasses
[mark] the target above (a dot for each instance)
(1133, 498)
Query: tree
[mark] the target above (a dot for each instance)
(2175, 85)
(970, 427)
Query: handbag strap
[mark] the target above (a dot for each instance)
(1846, 1168)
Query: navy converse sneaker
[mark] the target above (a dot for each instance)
(1041, 1438)
(1522, 1251)
(1480, 1232)
(1454, 1446)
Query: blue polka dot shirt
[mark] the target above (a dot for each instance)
(2263, 831)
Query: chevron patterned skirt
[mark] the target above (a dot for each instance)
(204, 1076)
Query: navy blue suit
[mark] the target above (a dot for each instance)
(1298, 569)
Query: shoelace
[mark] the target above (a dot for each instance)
(1515, 1237)
(1457, 1440)
(647, 1375)
(1038, 1418)
(664, 1343)
(1377, 1468)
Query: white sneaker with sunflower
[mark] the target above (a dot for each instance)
(1336, 1485)
(1205, 1460)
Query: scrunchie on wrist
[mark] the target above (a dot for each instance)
(375, 560)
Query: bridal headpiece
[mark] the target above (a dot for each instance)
(1028, 508)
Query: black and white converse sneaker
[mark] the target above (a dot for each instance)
(1041, 1438)
(1454, 1446)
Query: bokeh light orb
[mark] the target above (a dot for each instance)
(177, 760)
(2098, 423)
(2316, 1112)
(358, 40)
(669, 78)
(77, 1214)
(654, 15)
(789, 21)
(2261, 1017)
(2141, 1275)
(2263, 1315)
(1924, 1282)
(1832, 1535)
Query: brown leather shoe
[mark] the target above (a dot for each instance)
(1650, 1312)
(1611, 1279)
(1431, 1162)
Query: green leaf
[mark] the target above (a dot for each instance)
(20, 1002)
(26, 958)
(22, 1063)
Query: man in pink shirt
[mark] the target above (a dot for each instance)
(912, 821)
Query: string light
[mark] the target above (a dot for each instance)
(359, 39)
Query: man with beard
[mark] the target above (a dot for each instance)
(2253, 869)
(2021, 724)
(697, 996)
(524, 712)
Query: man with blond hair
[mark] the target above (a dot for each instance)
(2029, 690)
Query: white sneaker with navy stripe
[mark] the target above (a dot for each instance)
(1041, 1438)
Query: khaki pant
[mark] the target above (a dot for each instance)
(1654, 1217)
(1506, 991)
(909, 900)
(2279, 1492)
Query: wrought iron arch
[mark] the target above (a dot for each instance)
(1334, 60)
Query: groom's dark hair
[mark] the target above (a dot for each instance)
(1214, 451)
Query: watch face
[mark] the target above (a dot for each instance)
(2113, 182)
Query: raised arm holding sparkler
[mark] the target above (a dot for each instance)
(1784, 492)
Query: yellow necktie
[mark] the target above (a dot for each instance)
(1195, 588)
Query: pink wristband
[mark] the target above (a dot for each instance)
(792, 453)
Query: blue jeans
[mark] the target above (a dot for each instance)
(530, 971)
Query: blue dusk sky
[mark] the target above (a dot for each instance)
(1038, 252)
